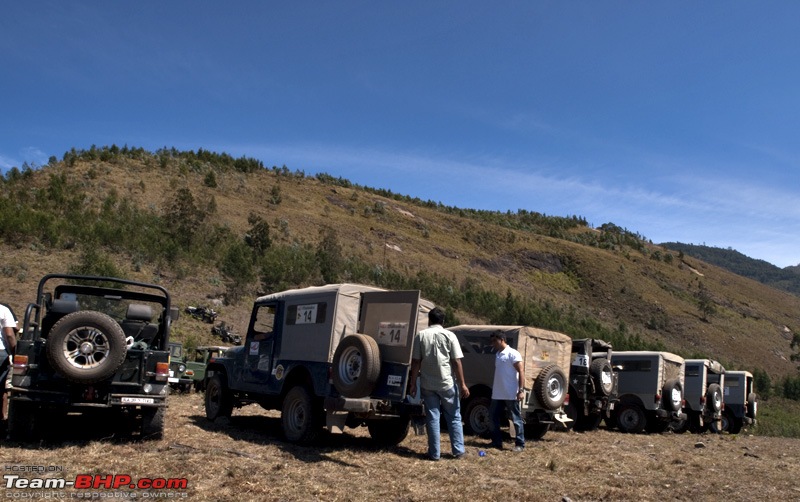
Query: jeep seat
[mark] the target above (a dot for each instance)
(137, 323)
(58, 309)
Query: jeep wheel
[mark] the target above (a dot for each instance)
(153, 423)
(389, 432)
(551, 387)
(752, 405)
(602, 376)
(536, 431)
(219, 402)
(301, 416)
(476, 415)
(356, 365)
(86, 347)
(714, 397)
(672, 395)
(630, 418)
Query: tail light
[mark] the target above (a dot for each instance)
(702, 400)
(658, 398)
(566, 400)
(162, 372)
(20, 365)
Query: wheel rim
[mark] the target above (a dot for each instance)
(717, 401)
(296, 416)
(555, 388)
(479, 419)
(350, 366)
(629, 418)
(86, 347)
(676, 399)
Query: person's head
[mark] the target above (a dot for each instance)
(436, 316)
(498, 339)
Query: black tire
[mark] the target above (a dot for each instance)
(391, 432)
(219, 402)
(153, 423)
(714, 398)
(551, 387)
(602, 376)
(574, 411)
(630, 418)
(356, 366)
(86, 346)
(476, 416)
(672, 395)
(724, 423)
(536, 431)
(301, 416)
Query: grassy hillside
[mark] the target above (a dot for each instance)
(208, 226)
(787, 279)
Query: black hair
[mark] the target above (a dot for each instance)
(499, 335)
(436, 316)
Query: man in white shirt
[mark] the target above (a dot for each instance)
(8, 342)
(508, 389)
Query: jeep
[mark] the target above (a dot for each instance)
(703, 385)
(92, 345)
(545, 356)
(650, 391)
(336, 355)
(593, 384)
(180, 378)
(198, 366)
(741, 402)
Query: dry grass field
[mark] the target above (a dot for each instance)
(246, 459)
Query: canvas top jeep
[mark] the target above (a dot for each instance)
(546, 357)
(92, 345)
(703, 383)
(650, 390)
(336, 355)
(741, 402)
(593, 384)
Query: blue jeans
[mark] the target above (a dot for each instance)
(450, 404)
(497, 411)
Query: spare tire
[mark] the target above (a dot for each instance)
(602, 376)
(356, 366)
(714, 397)
(752, 405)
(86, 346)
(672, 395)
(551, 387)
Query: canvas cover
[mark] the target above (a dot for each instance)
(539, 348)
(342, 302)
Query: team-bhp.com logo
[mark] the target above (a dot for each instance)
(95, 482)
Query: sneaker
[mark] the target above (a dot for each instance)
(458, 456)
(519, 448)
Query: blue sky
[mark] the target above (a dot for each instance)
(677, 120)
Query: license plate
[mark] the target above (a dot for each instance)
(138, 400)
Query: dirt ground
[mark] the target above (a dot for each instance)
(245, 459)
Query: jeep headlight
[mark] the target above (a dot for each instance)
(182, 368)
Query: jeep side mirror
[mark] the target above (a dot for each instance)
(174, 313)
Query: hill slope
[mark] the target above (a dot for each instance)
(570, 271)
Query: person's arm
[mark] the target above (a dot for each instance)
(10, 340)
(521, 389)
(460, 377)
(412, 380)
